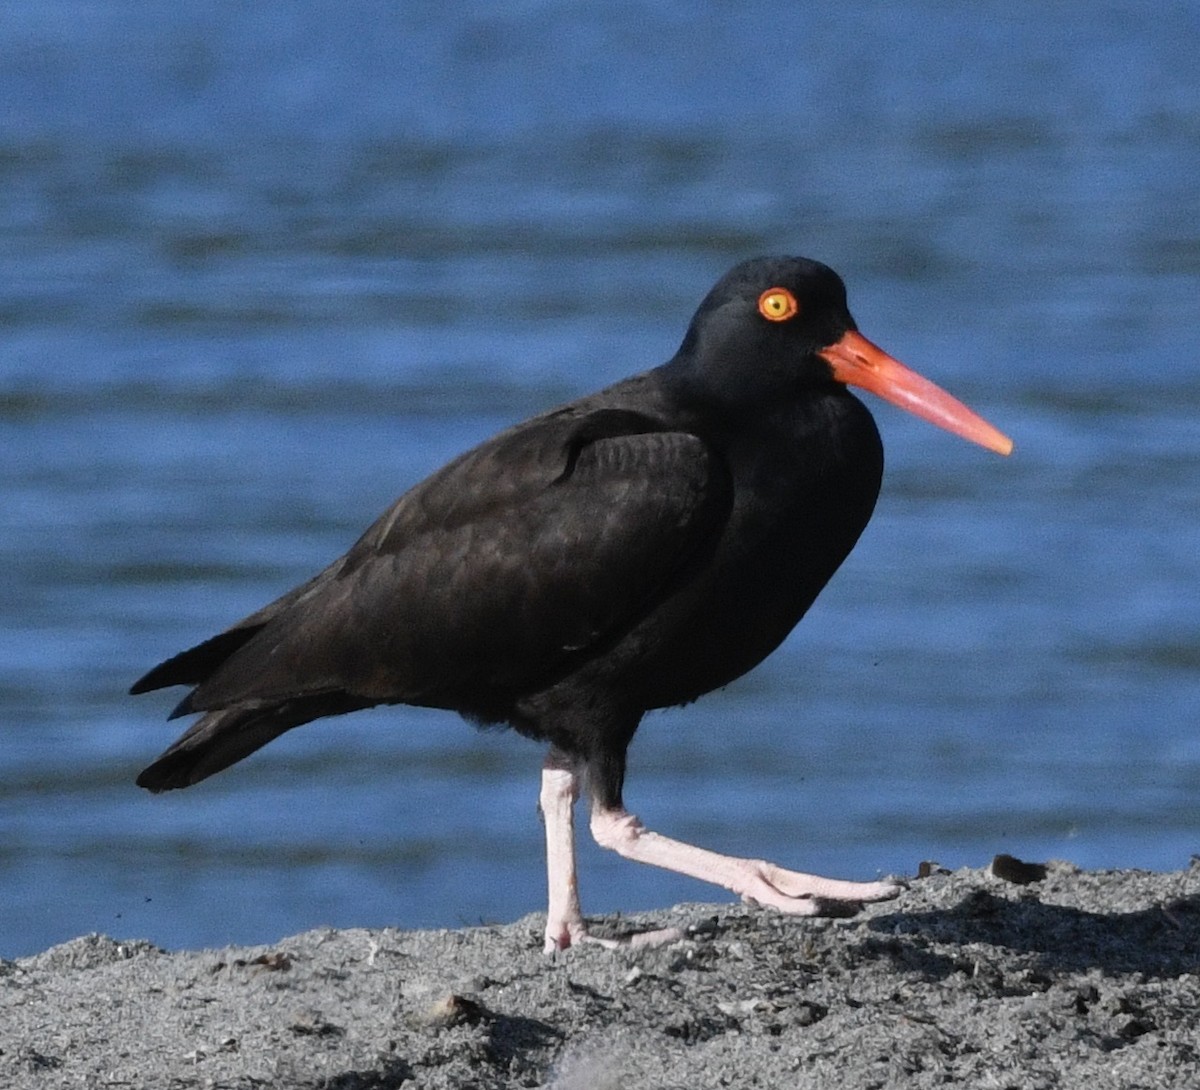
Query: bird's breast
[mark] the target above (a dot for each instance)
(804, 491)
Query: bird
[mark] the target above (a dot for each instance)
(631, 550)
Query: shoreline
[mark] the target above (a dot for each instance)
(1079, 979)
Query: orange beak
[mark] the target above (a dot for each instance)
(857, 362)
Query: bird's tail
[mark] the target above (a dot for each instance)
(222, 738)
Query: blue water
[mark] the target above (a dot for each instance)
(264, 266)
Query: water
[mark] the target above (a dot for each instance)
(263, 266)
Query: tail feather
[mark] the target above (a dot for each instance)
(222, 738)
(196, 664)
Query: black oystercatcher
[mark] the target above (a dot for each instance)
(634, 549)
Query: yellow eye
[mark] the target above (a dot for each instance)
(778, 305)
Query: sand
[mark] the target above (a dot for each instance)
(1079, 979)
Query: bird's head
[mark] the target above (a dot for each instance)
(775, 327)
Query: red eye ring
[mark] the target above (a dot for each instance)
(778, 305)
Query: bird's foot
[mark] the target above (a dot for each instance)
(801, 894)
(563, 934)
(639, 940)
(751, 879)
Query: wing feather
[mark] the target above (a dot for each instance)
(494, 575)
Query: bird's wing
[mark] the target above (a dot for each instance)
(495, 574)
(197, 664)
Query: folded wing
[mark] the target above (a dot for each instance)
(494, 577)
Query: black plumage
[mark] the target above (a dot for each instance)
(632, 550)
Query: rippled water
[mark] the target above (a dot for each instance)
(262, 267)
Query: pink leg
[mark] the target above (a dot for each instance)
(560, 789)
(752, 879)
(565, 926)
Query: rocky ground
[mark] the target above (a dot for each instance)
(1010, 977)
